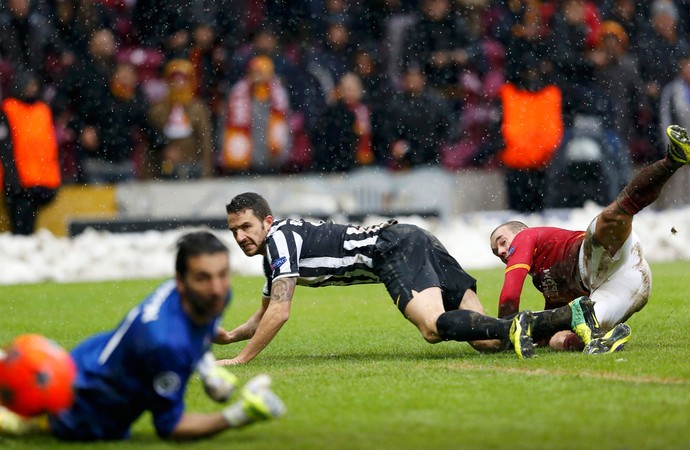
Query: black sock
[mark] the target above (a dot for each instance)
(549, 322)
(464, 325)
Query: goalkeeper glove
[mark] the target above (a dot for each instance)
(258, 403)
(219, 383)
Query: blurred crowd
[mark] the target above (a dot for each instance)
(205, 88)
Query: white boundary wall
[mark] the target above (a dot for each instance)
(366, 191)
(427, 190)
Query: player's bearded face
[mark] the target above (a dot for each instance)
(205, 287)
(249, 231)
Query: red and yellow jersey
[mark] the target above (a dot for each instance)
(550, 256)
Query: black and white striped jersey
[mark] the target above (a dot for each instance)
(320, 253)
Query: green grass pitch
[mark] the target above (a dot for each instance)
(355, 375)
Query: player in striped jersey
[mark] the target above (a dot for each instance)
(426, 283)
(604, 262)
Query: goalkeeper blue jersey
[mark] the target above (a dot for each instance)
(142, 365)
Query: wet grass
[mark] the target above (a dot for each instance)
(356, 375)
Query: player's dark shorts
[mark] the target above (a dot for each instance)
(409, 258)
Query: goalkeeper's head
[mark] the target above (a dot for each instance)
(202, 276)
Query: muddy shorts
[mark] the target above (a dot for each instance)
(619, 285)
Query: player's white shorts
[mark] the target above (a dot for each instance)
(619, 285)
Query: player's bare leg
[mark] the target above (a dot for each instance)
(424, 310)
(614, 224)
(559, 340)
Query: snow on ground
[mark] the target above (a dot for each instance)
(95, 256)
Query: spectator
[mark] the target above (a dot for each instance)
(479, 95)
(266, 41)
(27, 38)
(660, 46)
(109, 137)
(343, 138)
(307, 93)
(6, 76)
(332, 12)
(592, 163)
(616, 72)
(377, 86)
(684, 14)
(88, 79)
(66, 42)
(184, 123)
(83, 87)
(76, 20)
(522, 28)
(630, 16)
(306, 97)
(674, 107)
(531, 130)
(330, 61)
(117, 15)
(397, 17)
(471, 143)
(28, 153)
(375, 16)
(524, 33)
(156, 21)
(208, 59)
(438, 44)
(591, 146)
(500, 18)
(415, 126)
(307, 101)
(661, 43)
(256, 134)
(295, 25)
(168, 24)
(230, 21)
(574, 33)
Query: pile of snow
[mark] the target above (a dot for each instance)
(96, 256)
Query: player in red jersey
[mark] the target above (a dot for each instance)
(605, 262)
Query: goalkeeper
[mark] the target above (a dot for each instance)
(146, 362)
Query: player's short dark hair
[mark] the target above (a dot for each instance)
(194, 244)
(249, 200)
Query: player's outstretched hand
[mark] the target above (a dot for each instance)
(258, 403)
(229, 362)
(222, 337)
(219, 383)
